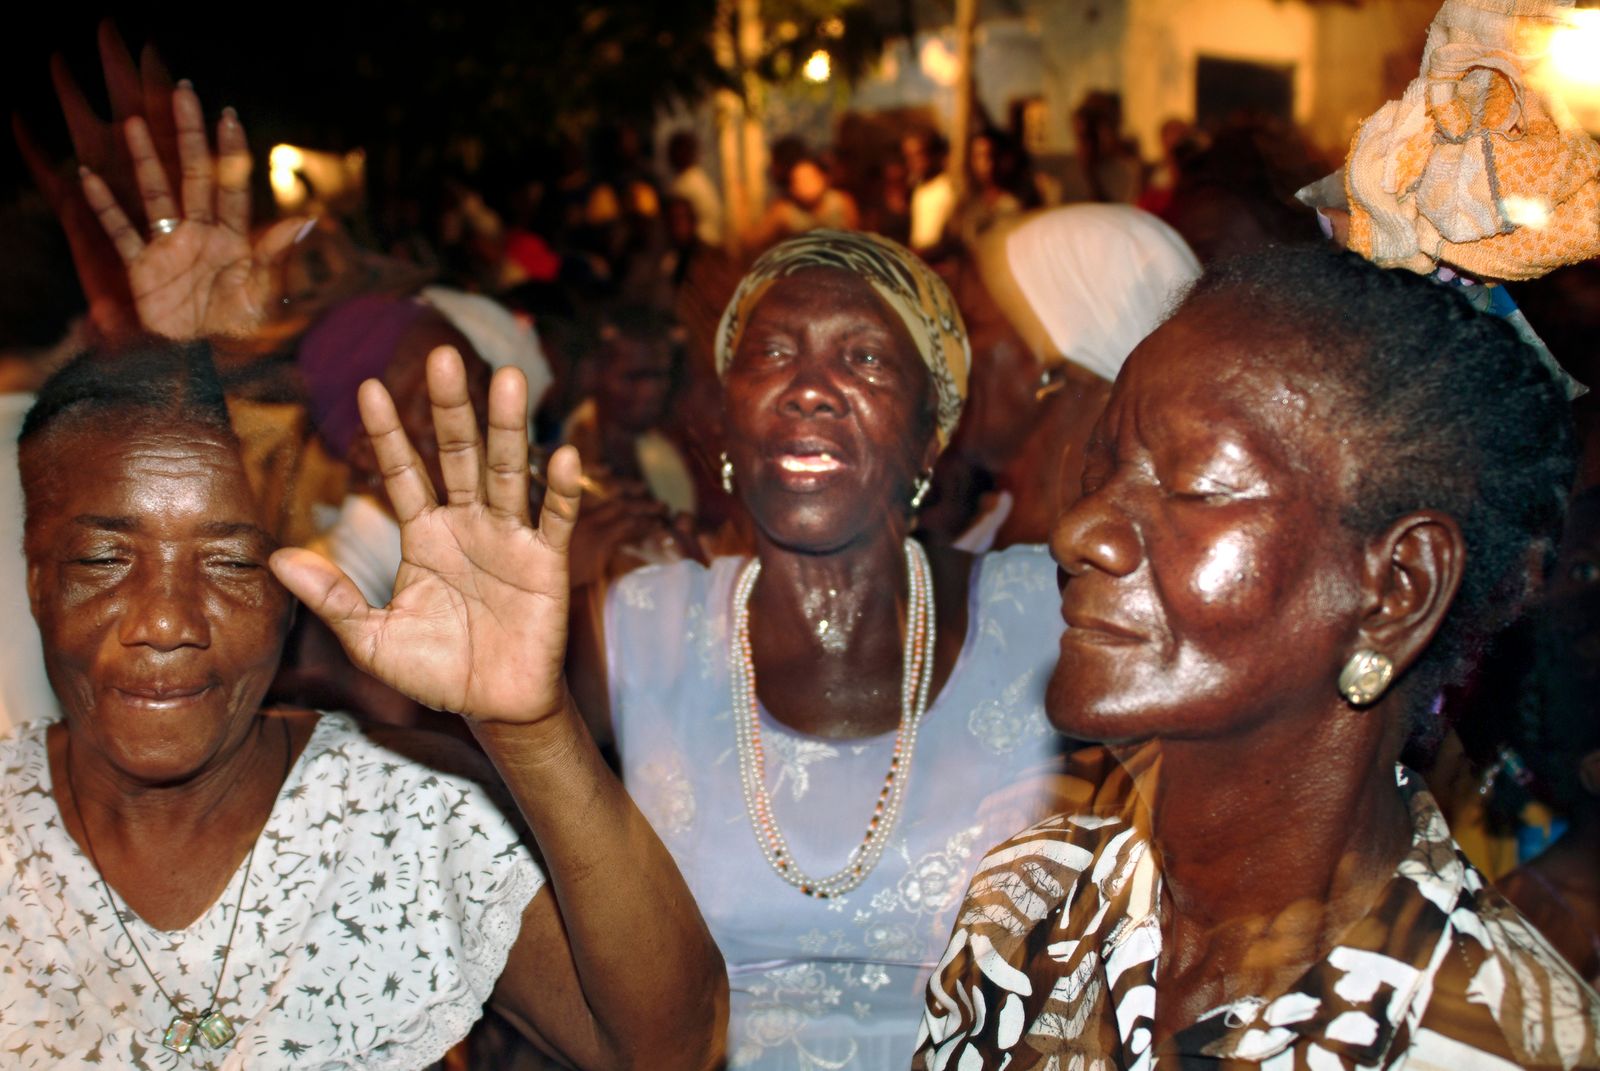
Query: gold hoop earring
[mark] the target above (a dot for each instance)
(1365, 677)
(727, 473)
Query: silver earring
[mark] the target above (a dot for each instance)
(1366, 677)
(919, 491)
(727, 473)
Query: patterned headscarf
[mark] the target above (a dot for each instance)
(912, 290)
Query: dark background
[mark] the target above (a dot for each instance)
(404, 78)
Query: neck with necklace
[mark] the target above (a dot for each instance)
(916, 680)
(208, 1024)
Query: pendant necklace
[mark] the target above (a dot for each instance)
(916, 679)
(210, 1025)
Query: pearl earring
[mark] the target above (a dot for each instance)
(727, 473)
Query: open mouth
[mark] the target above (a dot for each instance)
(809, 463)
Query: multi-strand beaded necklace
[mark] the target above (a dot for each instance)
(916, 680)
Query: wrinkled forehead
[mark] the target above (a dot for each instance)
(1234, 376)
(136, 468)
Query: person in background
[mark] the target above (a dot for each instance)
(1106, 167)
(933, 194)
(1079, 287)
(1550, 667)
(690, 182)
(994, 164)
(42, 324)
(641, 488)
(809, 201)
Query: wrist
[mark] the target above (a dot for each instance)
(548, 737)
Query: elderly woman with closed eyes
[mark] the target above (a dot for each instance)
(193, 878)
(1314, 492)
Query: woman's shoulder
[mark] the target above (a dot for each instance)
(654, 587)
(1502, 991)
(390, 770)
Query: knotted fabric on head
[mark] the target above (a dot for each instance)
(1479, 165)
(351, 342)
(1099, 278)
(899, 276)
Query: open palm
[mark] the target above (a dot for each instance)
(203, 277)
(478, 621)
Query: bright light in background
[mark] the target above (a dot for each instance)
(818, 67)
(1575, 61)
(286, 158)
(1575, 49)
(938, 62)
(287, 189)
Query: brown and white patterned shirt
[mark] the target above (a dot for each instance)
(1053, 966)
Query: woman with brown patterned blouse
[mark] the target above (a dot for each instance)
(1314, 492)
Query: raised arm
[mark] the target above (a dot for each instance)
(195, 272)
(619, 970)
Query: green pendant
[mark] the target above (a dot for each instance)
(180, 1034)
(216, 1029)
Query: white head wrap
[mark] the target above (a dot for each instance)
(1099, 278)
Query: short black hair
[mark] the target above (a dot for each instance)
(1452, 410)
(175, 381)
(154, 379)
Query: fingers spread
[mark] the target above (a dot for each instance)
(112, 218)
(122, 78)
(331, 595)
(233, 174)
(39, 166)
(156, 85)
(455, 425)
(560, 511)
(508, 444)
(83, 125)
(148, 173)
(410, 491)
(194, 154)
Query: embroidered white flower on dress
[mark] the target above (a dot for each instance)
(791, 755)
(935, 883)
(1002, 723)
(670, 794)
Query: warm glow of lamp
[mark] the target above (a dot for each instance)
(818, 67)
(286, 158)
(938, 62)
(287, 189)
(1575, 49)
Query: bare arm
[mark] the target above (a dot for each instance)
(478, 625)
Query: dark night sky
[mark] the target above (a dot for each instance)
(333, 75)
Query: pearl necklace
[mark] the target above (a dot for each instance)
(916, 679)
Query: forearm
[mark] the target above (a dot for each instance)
(651, 976)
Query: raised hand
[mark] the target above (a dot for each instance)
(478, 621)
(144, 89)
(198, 274)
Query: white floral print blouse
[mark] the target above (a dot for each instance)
(382, 902)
